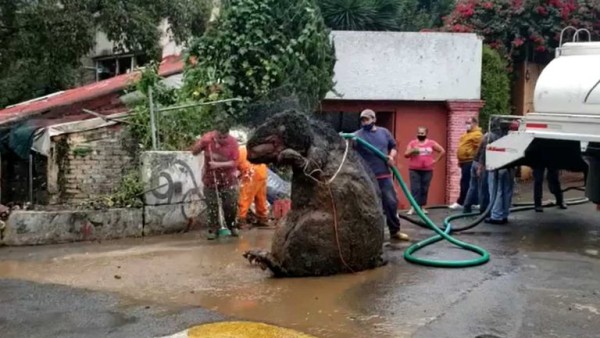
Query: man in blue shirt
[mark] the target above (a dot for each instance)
(383, 140)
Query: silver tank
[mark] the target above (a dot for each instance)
(570, 84)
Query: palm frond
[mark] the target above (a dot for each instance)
(360, 14)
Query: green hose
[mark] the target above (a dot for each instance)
(441, 234)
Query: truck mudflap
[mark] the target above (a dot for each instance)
(507, 150)
(592, 156)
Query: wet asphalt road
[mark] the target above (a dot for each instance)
(34, 310)
(543, 281)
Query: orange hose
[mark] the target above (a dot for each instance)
(335, 228)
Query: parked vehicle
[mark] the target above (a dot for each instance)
(564, 129)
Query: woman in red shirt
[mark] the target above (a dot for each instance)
(420, 154)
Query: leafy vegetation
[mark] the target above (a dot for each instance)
(176, 130)
(130, 194)
(361, 15)
(257, 47)
(82, 151)
(495, 86)
(524, 29)
(427, 13)
(384, 15)
(42, 42)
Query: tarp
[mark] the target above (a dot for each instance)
(21, 139)
(277, 188)
(18, 139)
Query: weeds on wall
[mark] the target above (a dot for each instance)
(82, 151)
(130, 194)
(62, 162)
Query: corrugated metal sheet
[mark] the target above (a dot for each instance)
(169, 66)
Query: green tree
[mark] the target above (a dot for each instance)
(495, 85)
(384, 15)
(42, 42)
(430, 13)
(257, 47)
(176, 129)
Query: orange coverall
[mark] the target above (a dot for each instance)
(253, 187)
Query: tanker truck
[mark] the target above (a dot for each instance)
(564, 129)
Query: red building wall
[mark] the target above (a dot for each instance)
(402, 119)
(446, 123)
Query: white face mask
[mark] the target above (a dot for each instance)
(469, 126)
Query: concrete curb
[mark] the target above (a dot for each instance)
(55, 227)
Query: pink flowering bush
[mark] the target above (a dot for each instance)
(521, 29)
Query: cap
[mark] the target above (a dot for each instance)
(367, 113)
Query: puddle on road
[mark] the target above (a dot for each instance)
(393, 301)
(193, 272)
(558, 233)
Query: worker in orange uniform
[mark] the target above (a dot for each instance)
(253, 185)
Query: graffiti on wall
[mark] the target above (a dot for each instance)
(174, 180)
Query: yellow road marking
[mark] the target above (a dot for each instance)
(243, 330)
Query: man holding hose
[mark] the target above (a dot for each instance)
(219, 177)
(383, 140)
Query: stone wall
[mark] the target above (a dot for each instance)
(173, 202)
(88, 164)
(51, 227)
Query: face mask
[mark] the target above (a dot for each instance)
(469, 126)
(367, 127)
(421, 137)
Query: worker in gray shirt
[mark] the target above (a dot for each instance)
(500, 182)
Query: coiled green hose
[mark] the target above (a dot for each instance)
(441, 234)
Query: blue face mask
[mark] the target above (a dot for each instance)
(367, 127)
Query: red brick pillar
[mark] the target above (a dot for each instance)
(459, 111)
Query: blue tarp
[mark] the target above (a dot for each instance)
(18, 139)
(277, 188)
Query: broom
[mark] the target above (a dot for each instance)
(223, 231)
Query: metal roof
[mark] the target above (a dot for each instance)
(169, 66)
